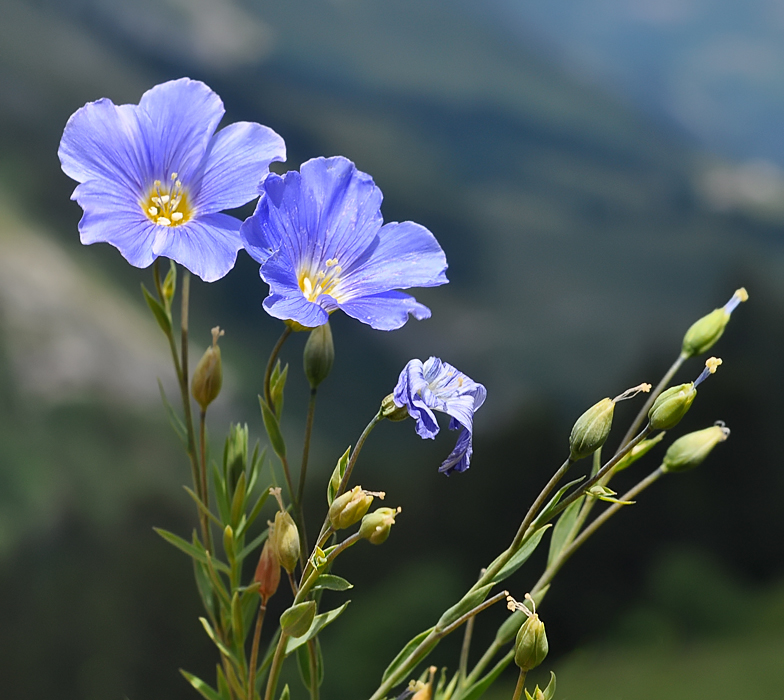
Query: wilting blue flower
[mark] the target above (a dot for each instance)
(322, 244)
(155, 175)
(436, 385)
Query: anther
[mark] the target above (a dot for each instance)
(176, 216)
(153, 211)
(163, 221)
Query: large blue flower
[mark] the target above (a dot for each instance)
(436, 385)
(322, 244)
(155, 175)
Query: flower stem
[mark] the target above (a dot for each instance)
(271, 364)
(306, 448)
(277, 664)
(254, 651)
(205, 497)
(518, 691)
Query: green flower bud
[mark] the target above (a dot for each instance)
(236, 453)
(375, 526)
(531, 645)
(319, 355)
(350, 507)
(690, 450)
(267, 572)
(391, 411)
(297, 620)
(704, 333)
(285, 540)
(671, 405)
(208, 375)
(592, 427)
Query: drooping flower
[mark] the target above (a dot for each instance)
(436, 385)
(154, 176)
(322, 244)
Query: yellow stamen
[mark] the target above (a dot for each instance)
(712, 363)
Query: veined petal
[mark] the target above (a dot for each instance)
(295, 308)
(237, 159)
(386, 311)
(460, 457)
(182, 117)
(128, 231)
(207, 246)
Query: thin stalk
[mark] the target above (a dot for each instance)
(254, 651)
(306, 448)
(464, 651)
(487, 657)
(518, 691)
(277, 664)
(313, 662)
(271, 364)
(661, 386)
(205, 494)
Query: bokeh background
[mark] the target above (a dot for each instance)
(600, 175)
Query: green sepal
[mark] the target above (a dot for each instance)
(521, 555)
(477, 690)
(330, 582)
(319, 622)
(192, 550)
(337, 476)
(161, 316)
(563, 529)
(273, 429)
(404, 653)
(202, 688)
(638, 451)
(296, 620)
(466, 604)
(174, 420)
(603, 493)
(303, 663)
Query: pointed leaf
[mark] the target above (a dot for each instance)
(158, 311)
(221, 495)
(303, 663)
(285, 695)
(254, 544)
(211, 634)
(199, 554)
(238, 502)
(521, 555)
(319, 622)
(404, 653)
(273, 429)
(204, 690)
(276, 391)
(563, 530)
(330, 582)
(337, 476)
(466, 604)
(174, 420)
(546, 512)
(254, 513)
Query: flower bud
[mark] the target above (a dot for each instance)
(208, 375)
(391, 411)
(591, 429)
(375, 526)
(297, 620)
(319, 355)
(690, 450)
(285, 540)
(268, 571)
(704, 333)
(236, 453)
(350, 507)
(531, 644)
(671, 405)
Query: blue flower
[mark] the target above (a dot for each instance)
(154, 176)
(322, 244)
(436, 385)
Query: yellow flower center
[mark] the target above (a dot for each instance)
(166, 204)
(324, 281)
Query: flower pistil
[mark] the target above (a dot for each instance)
(167, 205)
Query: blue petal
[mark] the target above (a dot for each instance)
(385, 312)
(406, 255)
(182, 116)
(296, 308)
(272, 220)
(207, 246)
(460, 457)
(238, 158)
(407, 393)
(130, 232)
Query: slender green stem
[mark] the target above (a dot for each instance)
(660, 387)
(487, 657)
(271, 364)
(277, 664)
(518, 691)
(254, 651)
(205, 494)
(464, 651)
(313, 662)
(306, 448)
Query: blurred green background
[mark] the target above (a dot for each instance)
(599, 174)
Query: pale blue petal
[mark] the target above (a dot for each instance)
(460, 457)
(385, 312)
(130, 232)
(296, 309)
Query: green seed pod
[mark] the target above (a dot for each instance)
(319, 355)
(350, 507)
(671, 406)
(297, 620)
(704, 333)
(531, 645)
(285, 540)
(690, 450)
(591, 429)
(391, 411)
(375, 526)
(208, 375)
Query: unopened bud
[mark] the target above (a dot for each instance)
(531, 645)
(690, 450)
(391, 411)
(319, 355)
(350, 507)
(672, 404)
(268, 571)
(593, 427)
(704, 333)
(208, 375)
(236, 454)
(285, 536)
(297, 619)
(375, 526)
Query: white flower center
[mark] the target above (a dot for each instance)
(166, 203)
(325, 281)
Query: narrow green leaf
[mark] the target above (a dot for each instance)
(563, 529)
(250, 602)
(204, 690)
(273, 429)
(638, 451)
(237, 620)
(202, 508)
(276, 391)
(223, 685)
(158, 311)
(254, 513)
(199, 554)
(285, 695)
(521, 555)
(404, 653)
(211, 634)
(337, 476)
(477, 690)
(204, 585)
(319, 622)
(253, 544)
(330, 582)
(221, 496)
(238, 502)
(256, 460)
(174, 420)
(464, 605)
(303, 663)
(544, 516)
